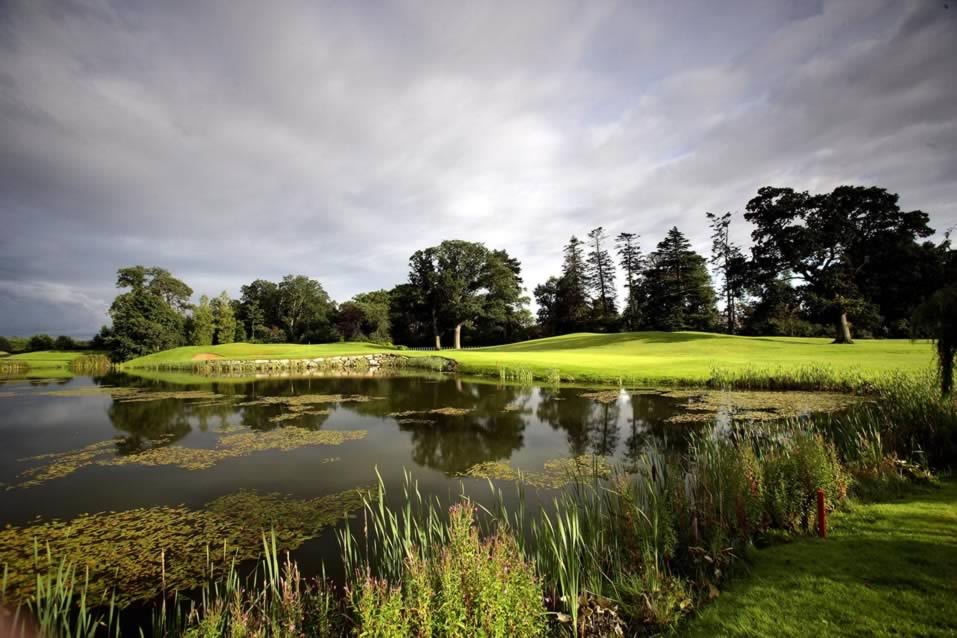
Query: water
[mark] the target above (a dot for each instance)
(389, 420)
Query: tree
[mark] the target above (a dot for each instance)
(143, 321)
(460, 283)
(157, 281)
(546, 296)
(572, 301)
(676, 288)
(937, 318)
(825, 241)
(426, 294)
(64, 342)
(224, 319)
(632, 262)
(350, 320)
(259, 308)
(504, 316)
(375, 306)
(409, 321)
(600, 273)
(305, 310)
(731, 264)
(40, 342)
(5, 345)
(203, 324)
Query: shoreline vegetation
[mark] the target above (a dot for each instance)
(631, 549)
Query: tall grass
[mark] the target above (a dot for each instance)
(631, 552)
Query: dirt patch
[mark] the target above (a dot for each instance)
(206, 356)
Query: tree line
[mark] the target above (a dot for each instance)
(845, 263)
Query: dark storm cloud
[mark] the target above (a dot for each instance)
(232, 140)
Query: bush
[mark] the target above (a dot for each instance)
(64, 343)
(793, 471)
(40, 342)
(469, 588)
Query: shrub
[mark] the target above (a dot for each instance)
(64, 343)
(793, 471)
(40, 342)
(470, 587)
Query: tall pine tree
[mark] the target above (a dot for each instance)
(600, 270)
(676, 288)
(632, 262)
(572, 303)
(731, 266)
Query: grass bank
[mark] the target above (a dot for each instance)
(885, 570)
(636, 358)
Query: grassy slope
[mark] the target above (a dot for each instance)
(885, 570)
(239, 351)
(637, 356)
(49, 358)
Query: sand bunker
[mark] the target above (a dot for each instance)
(206, 356)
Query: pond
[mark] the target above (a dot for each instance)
(135, 477)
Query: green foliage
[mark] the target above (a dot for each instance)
(305, 310)
(675, 291)
(827, 240)
(143, 323)
(937, 318)
(40, 342)
(465, 587)
(632, 262)
(600, 269)
(65, 343)
(5, 345)
(224, 319)
(203, 324)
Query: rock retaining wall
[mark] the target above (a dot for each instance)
(369, 364)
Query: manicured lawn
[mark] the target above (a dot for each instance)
(628, 357)
(50, 358)
(886, 570)
(693, 355)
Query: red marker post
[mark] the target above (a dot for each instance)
(821, 515)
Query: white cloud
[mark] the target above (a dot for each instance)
(232, 140)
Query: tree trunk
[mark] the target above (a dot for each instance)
(438, 341)
(458, 336)
(843, 330)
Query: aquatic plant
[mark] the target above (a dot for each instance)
(230, 445)
(555, 474)
(137, 553)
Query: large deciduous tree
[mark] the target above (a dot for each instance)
(826, 241)
(148, 317)
(305, 310)
(459, 283)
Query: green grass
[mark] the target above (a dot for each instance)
(885, 570)
(636, 357)
(246, 351)
(50, 358)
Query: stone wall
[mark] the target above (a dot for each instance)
(327, 366)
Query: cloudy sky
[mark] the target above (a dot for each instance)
(237, 139)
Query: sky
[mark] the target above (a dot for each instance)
(239, 139)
